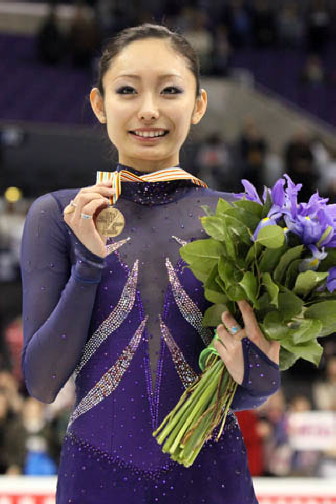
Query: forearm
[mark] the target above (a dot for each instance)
(261, 378)
(54, 349)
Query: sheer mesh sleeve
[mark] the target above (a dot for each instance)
(261, 378)
(58, 297)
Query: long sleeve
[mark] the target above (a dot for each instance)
(261, 378)
(58, 298)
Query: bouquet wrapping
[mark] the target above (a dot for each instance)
(280, 256)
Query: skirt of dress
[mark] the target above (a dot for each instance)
(218, 476)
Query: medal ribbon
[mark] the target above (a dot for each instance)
(164, 175)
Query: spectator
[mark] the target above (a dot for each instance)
(249, 423)
(290, 25)
(50, 43)
(252, 148)
(213, 163)
(264, 24)
(303, 462)
(10, 459)
(324, 392)
(273, 430)
(318, 26)
(313, 72)
(299, 163)
(83, 38)
(200, 38)
(222, 51)
(237, 18)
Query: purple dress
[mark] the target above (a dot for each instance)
(129, 327)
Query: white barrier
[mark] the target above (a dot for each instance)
(41, 490)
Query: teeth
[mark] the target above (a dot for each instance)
(149, 134)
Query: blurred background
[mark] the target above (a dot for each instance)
(269, 69)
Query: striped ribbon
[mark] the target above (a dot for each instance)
(159, 176)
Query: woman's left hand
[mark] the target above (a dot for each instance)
(230, 335)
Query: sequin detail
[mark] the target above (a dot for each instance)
(180, 241)
(189, 310)
(186, 373)
(111, 379)
(114, 320)
(112, 247)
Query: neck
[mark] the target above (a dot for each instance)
(148, 166)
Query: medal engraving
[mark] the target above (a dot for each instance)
(110, 222)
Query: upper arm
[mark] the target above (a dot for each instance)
(45, 262)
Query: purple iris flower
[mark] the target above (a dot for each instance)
(314, 222)
(250, 192)
(313, 262)
(267, 221)
(331, 280)
(278, 194)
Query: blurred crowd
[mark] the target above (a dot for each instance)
(216, 29)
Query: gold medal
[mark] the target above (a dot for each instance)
(110, 222)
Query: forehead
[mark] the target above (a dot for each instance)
(153, 55)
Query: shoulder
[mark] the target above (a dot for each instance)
(52, 203)
(216, 195)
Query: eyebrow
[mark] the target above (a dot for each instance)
(161, 77)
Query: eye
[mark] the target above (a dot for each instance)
(171, 90)
(126, 90)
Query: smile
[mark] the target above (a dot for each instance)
(150, 133)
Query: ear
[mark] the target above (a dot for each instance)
(97, 104)
(200, 107)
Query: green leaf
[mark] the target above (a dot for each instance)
(310, 351)
(215, 227)
(236, 293)
(306, 330)
(266, 206)
(250, 286)
(290, 305)
(207, 210)
(222, 206)
(289, 256)
(309, 280)
(326, 313)
(250, 206)
(253, 253)
(271, 257)
(214, 296)
(237, 229)
(249, 219)
(229, 273)
(287, 359)
(292, 273)
(271, 236)
(213, 315)
(203, 254)
(329, 261)
(272, 288)
(273, 327)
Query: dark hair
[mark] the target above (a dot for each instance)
(115, 45)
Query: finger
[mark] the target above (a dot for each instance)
(232, 325)
(84, 198)
(225, 338)
(250, 322)
(92, 207)
(105, 190)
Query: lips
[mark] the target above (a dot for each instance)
(150, 133)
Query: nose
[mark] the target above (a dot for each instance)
(148, 110)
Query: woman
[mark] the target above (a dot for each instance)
(125, 316)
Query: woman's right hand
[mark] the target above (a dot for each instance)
(89, 201)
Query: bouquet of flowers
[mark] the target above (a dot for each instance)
(278, 254)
